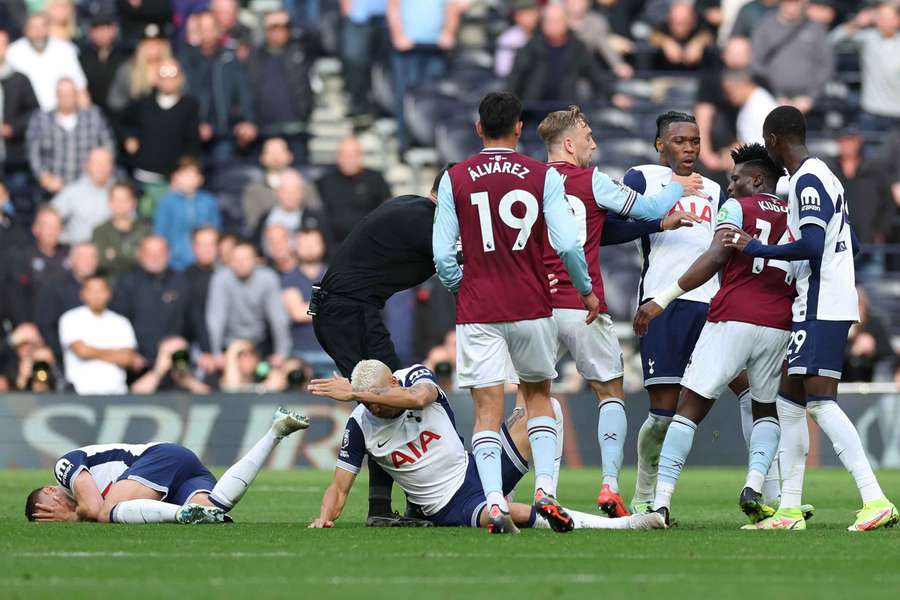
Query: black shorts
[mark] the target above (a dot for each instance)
(351, 331)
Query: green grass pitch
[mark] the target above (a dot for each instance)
(269, 553)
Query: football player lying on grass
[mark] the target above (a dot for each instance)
(151, 483)
(405, 424)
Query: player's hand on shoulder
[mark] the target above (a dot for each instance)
(692, 184)
(321, 523)
(738, 239)
(592, 304)
(646, 312)
(679, 219)
(337, 387)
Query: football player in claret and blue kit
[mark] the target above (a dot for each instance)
(825, 308)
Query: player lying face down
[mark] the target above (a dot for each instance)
(151, 483)
(405, 423)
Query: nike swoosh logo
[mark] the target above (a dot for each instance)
(790, 360)
(383, 443)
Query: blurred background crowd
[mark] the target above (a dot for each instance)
(176, 173)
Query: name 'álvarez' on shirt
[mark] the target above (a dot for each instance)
(755, 290)
(498, 195)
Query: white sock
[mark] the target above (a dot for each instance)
(650, 441)
(144, 511)
(794, 448)
(771, 490)
(589, 521)
(845, 439)
(663, 495)
(560, 435)
(237, 479)
(745, 402)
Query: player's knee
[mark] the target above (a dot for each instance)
(608, 390)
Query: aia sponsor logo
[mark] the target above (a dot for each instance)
(400, 458)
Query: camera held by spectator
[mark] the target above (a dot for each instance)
(171, 371)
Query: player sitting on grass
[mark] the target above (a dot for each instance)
(405, 423)
(151, 483)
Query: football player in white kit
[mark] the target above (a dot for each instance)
(669, 341)
(824, 309)
(158, 482)
(405, 423)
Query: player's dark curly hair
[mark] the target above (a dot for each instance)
(755, 155)
(673, 116)
(786, 122)
(30, 503)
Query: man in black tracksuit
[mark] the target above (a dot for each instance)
(387, 252)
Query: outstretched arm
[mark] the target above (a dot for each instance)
(702, 270)
(629, 201)
(617, 230)
(416, 397)
(334, 499)
(809, 246)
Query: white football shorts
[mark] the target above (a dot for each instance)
(727, 348)
(594, 348)
(484, 350)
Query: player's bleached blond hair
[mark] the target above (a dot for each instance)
(558, 123)
(370, 375)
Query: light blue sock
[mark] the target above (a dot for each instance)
(542, 436)
(611, 429)
(763, 447)
(675, 449)
(487, 450)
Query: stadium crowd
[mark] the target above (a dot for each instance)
(159, 226)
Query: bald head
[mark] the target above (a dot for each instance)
(350, 156)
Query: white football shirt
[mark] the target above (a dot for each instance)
(108, 330)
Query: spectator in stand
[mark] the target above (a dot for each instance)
(99, 344)
(548, 67)
(526, 15)
(259, 195)
(235, 35)
(12, 16)
(171, 371)
(867, 188)
(279, 74)
(683, 41)
(621, 15)
(216, 78)
(751, 15)
(876, 32)
(137, 17)
(868, 345)
(793, 55)
(27, 364)
(363, 41)
(13, 237)
(290, 210)
(138, 77)
(153, 297)
(36, 263)
(17, 104)
(84, 204)
(245, 304)
(161, 127)
(226, 245)
(61, 21)
(117, 239)
(311, 250)
(753, 102)
(593, 29)
(422, 31)
(185, 208)
(282, 257)
(350, 191)
(716, 116)
(59, 141)
(243, 371)
(63, 293)
(45, 61)
(101, 59)
(205, 245)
